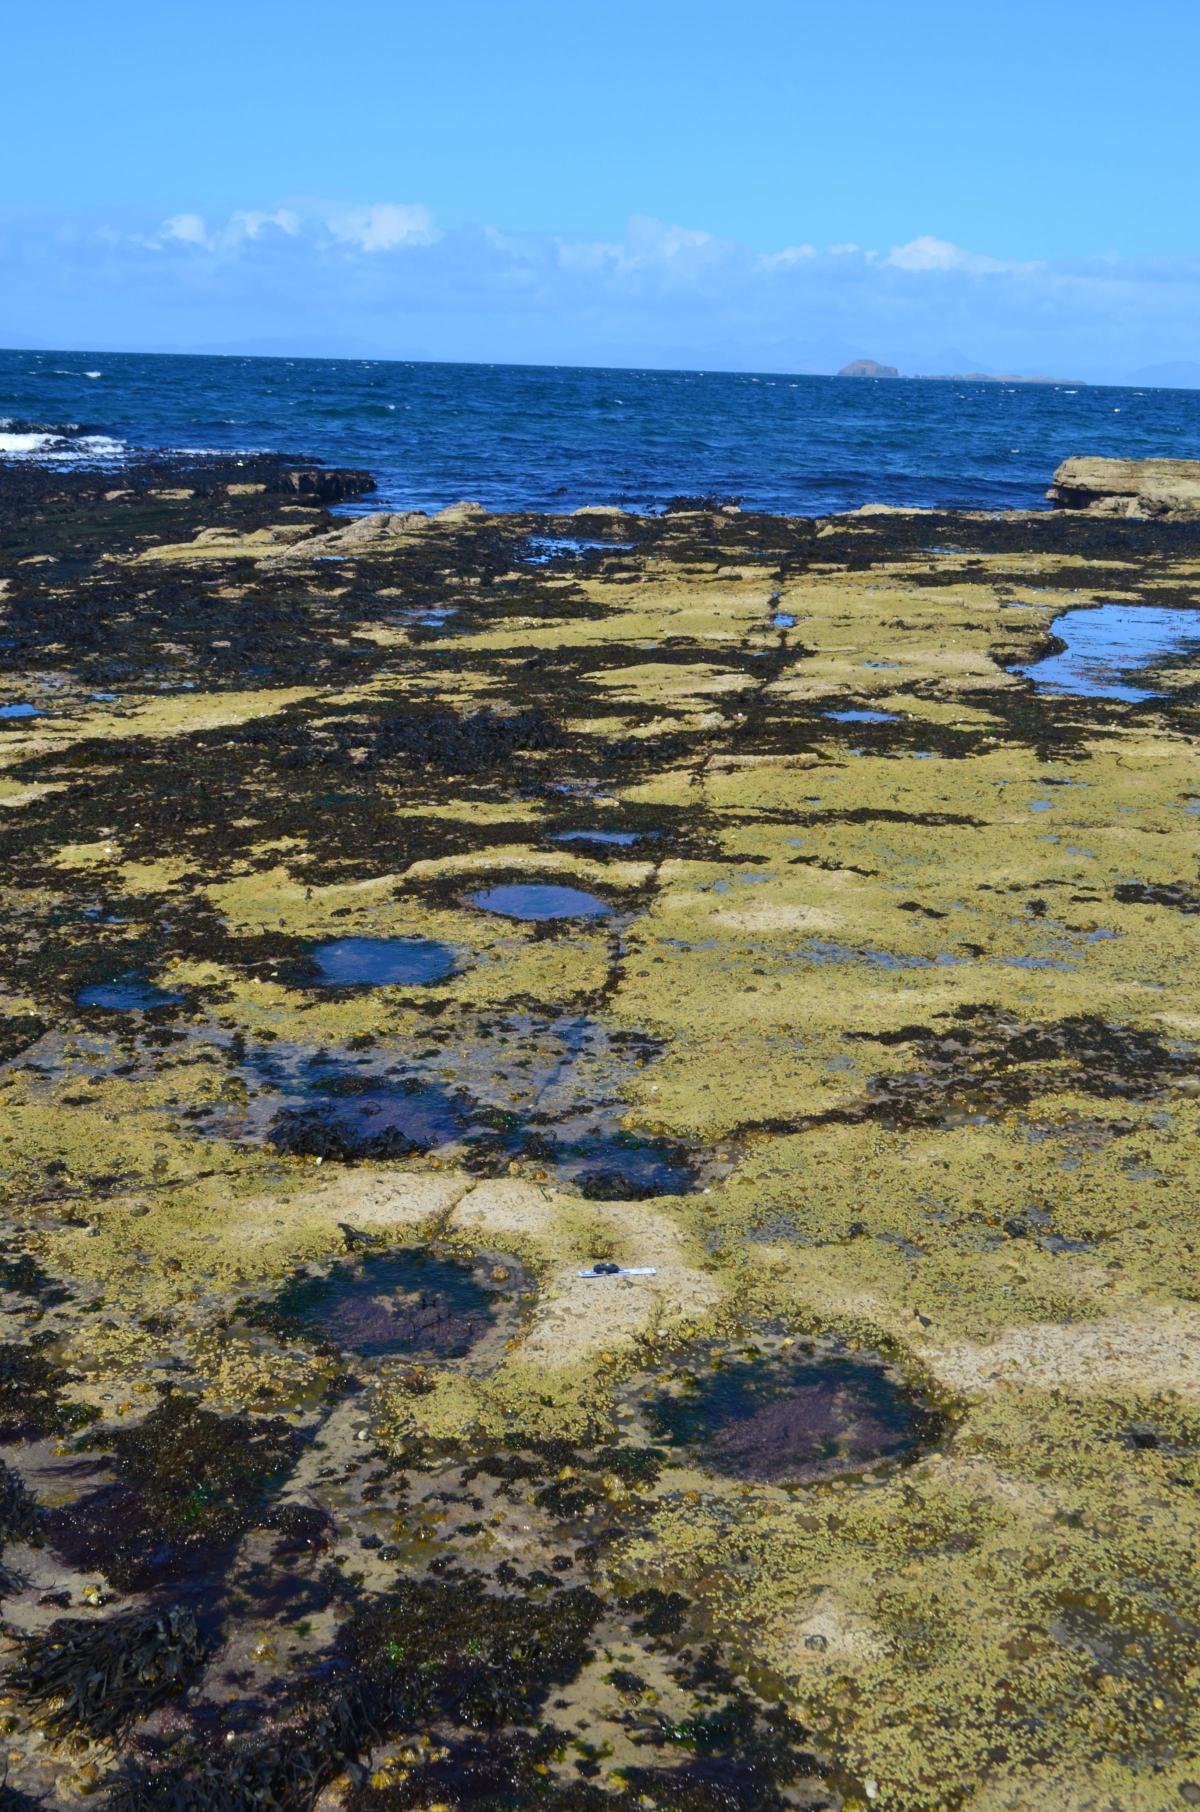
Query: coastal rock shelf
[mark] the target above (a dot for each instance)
(598, 1151)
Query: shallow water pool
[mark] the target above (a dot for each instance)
(382, 962)
(616, 838)
(1107, 643)
(860, 717)
(793, 1416)
(395, 1302)
(539, 900)
(132, 992)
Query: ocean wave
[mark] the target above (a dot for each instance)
(42, 445)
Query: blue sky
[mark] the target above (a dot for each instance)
(772, 185)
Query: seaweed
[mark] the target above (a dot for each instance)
(31, 1385)
(23, 1276)
(317, 1132)
(101, 1677)
(993, 1060)
(285, 1768)
(18, 1506)
(458, 1650)
(189, 1484)
(472, 743)
(1179, 894)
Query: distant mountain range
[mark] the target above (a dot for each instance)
(1177, 374)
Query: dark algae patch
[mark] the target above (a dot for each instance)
(32, 1387)
(186, 1485)
(356, 1119)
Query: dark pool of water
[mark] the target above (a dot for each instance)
(347, 1116)
(623, 1167)
(544, 548)
(792, 1417)
(132, 992)
(392, 1303)
(861, 717)
(382, 962)
(547, 1094)
(537, 900)
(1108, 644)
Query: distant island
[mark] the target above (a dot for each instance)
(871, 368)
(994, 377)
(867, 368)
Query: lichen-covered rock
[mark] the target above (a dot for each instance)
(1128, 487)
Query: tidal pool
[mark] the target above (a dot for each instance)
(549, 1093)
(544, 548)
(1108, 642)
(391, 1303)
(860, 717)
(617, 838)
(382, 962)
(132, 992)
(349, 1117)
(793, 1415)
(622, 1167)
(538, 900)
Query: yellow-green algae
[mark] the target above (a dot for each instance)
(1008, 1625)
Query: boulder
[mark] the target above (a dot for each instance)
(322, 486)
(1140, 488)
(455, 515)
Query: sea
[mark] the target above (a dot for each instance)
(557, 437)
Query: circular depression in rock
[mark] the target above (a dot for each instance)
(398, 1303)
(537, 900)
(788, 1415)
(382, 962)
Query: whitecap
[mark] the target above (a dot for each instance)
(22, 445)
(48, 447)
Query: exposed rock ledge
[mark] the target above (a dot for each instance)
(1128, 487)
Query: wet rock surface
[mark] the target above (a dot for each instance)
(386, 1413)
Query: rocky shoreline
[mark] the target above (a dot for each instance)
(405, 914)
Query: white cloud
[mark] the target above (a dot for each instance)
(186, 229)
(926, 253)
(383, 226)
(251, 224)
(383, 272)
(790, 255)
(649, 239)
